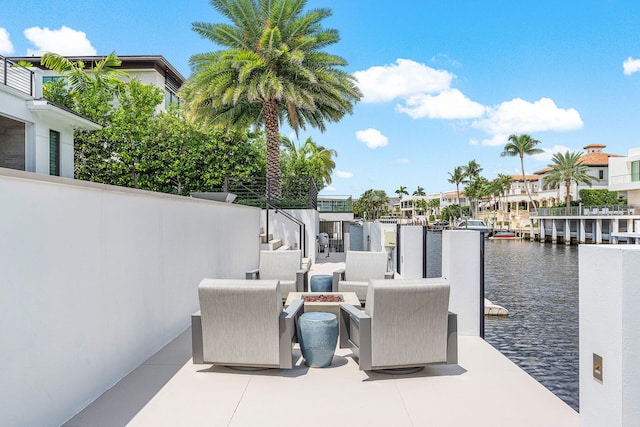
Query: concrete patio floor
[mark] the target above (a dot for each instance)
(484, 389)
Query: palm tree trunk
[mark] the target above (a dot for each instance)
(567, 197)
(270, 111)
(526, 186)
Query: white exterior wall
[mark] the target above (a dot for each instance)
(289, 232)
(609, 278)
(461, 266)
(95, 279)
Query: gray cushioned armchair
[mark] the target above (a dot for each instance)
(360, 266)
(242, 323)
(406, 324)
(284, 266)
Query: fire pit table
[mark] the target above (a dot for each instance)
(324, 301)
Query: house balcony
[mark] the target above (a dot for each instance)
(16, 76)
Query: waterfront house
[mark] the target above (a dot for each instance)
(624, 176)
(36, 135)
(597, 161)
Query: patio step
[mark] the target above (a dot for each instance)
(283, 248)
(264, 238)
(274, 244)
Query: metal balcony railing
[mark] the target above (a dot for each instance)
(336, 204)
(585, 211)
(16, 76)
(295, 192)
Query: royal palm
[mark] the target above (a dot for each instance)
(273, 69)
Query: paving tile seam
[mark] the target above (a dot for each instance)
(235, 410)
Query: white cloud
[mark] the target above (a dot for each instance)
(65, 41)
(400, 80)
(517, 116)
(630, 66)
(448, 104)
(372, 138)
(342, 174)
(329, 188)
(549, 152)
(6, 47)
(402, 161)
(495, 140)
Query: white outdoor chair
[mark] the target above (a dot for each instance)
(285, 266)
(405, 326)
(360, 266)
(241, 323)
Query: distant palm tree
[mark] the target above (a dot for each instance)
(566, 168)
(402, 191)
(472, 169)
(419, 192)
(310, 159)
(273, 69)
(458, 177)
(520, 146)
(503, 184)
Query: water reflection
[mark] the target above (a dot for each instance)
(538, 284)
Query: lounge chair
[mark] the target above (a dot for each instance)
(285, 266)
(241, 323)
(405, 326)
(360, 266)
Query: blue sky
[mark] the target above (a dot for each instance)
(444, 82)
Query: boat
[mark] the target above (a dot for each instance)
(474, 224)
(504, 235)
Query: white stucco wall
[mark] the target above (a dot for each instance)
(461, 266)
(95, 279)
(289, 232)
(609, 285)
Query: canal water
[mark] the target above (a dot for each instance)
(538, 284)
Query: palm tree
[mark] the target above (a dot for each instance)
(103, 73)
(309, 159)
(520, 146)
(503, 184)
(103, 80)
(475, 190)
(472, 169)
(273, 69)
(566, 168)
(458, 177)
(402, 191)
(419, 192)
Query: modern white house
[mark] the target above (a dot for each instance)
(36, 135)
(149, 69)
(624, 176)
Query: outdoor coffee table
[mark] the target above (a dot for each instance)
(327, 307)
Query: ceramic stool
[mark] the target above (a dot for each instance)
(321, 283)
(318, 336)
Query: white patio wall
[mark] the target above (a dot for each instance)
(609, 277)
(461, 266)
(95, 279)
(289, 232)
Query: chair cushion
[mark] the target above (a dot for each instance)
(408, 321)
(360, 266)
(360, 288)
(240, 321)
(281, 265)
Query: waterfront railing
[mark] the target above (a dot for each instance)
(16, 76)
(585, 211)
